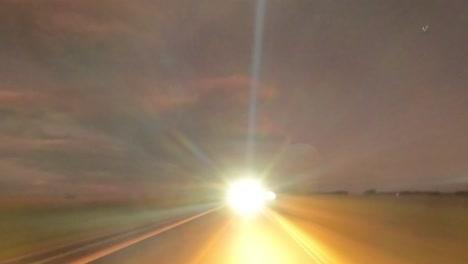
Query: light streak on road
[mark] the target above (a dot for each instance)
(250, 241)
(257, 245)
(265, 238)
(313, 248)
(206, 250)
(133, 241)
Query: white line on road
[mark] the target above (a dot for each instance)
(299, 239)
(125, 244)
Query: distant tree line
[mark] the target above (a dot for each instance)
(461, 193)
(337, 192)
(412, 192)
(375, 192)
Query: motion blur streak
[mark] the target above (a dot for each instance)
(256, 240)
(210, 242)
(313, 248)
(275, 158)
(118, 247)
(255, 245)
(220, 237)
(255, 76)
(196, 151)
(320, 229)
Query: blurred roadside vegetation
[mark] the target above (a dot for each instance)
(26, 228)
(416, 228)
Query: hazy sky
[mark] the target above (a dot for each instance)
(120, 97)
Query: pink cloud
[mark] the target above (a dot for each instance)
(236, 86)
(161, 102)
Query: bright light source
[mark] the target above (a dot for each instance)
(246, 196)
(270, 195)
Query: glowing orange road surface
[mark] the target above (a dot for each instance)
(220, 237)
(324, 230)
(257, 239)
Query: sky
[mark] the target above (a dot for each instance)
(136, 98)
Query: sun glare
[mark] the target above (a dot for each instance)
(248, 196)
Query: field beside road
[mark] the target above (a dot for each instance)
(382, 229)
(332, 229)
(26, 229)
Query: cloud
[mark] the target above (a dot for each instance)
(80, 24)
(151, 92)
(21, 101)
(235, 86)
(107, 87)
(160, 102)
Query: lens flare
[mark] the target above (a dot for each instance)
(270, 195)
(246, 196)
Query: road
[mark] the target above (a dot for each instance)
(315, 230)
(219, 237)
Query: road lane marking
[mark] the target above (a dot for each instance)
(212, 241)
(303, 242)
(128, 243)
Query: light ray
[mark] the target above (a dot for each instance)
(255, 77)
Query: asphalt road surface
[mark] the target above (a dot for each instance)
(329, 230)
(219, 237)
